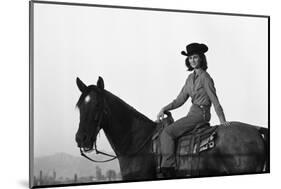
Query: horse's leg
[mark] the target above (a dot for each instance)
(141, 167)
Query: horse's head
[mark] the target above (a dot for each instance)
(91, 105)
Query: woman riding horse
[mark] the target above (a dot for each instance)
(240, 148)
(200, 87)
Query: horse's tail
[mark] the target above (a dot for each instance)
(264, 132)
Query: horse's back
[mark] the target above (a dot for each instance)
(238, 128)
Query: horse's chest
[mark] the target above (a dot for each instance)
(136, 165)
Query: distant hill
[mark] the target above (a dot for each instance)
(66, 165)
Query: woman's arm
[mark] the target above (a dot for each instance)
(179, 101)
(211, 91)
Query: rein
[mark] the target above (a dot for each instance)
(98, 152)
(100, 117)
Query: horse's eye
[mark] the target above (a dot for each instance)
(98, 105)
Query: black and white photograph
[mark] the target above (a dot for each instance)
(124, 94)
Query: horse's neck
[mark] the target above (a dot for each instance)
(127, 129)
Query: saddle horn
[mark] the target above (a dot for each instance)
(169, 114)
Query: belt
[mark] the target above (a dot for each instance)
(202, 106)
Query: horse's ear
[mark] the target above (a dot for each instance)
(100, 83)
(82, 87)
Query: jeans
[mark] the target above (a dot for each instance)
(172, 132)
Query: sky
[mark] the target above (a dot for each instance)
(137, 53)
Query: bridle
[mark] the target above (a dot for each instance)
(104, 111)
(99, 117)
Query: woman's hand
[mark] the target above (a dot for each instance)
(160, 115)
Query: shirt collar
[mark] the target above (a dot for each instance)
(199, 72)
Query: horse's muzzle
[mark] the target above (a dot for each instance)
(84, 142)
(80, 139)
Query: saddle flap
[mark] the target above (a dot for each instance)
(185, 145)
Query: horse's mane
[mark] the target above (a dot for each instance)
(132, 110)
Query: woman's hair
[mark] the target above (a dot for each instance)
(203, 63)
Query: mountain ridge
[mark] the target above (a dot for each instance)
(66, 166)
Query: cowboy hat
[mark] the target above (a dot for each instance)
(194, 48)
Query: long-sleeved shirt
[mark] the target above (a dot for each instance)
(200, 87)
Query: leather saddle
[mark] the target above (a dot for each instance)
(188, 146)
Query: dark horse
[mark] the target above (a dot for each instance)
(240, 148)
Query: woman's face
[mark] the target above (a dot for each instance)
(194, 61)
